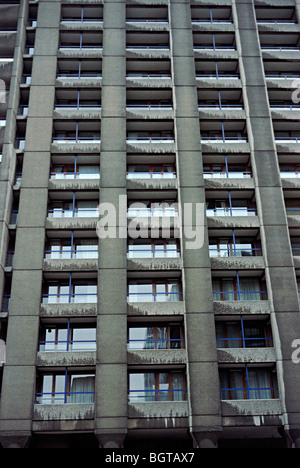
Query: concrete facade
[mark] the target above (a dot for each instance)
(173, 101)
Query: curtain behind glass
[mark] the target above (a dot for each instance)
(247, 289)
(81, 388)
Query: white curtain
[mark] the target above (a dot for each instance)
(81, 389)
(248, 288)
(260, 381)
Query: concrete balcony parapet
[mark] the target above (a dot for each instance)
(82, 264)
(237, 263)
(148, 81)
(152, 184)
(212, 27)
(83, 82)
(152, 147)
(80, 53)
(66, 358)
(74, 184)
(241, 307)
(251, 408)
(218, 83)
(156, 356)
(153, 309)
(71, 223)
(76, 148)
(68, 310)
(215, 54)
(154, 264)
(55, 413)
(144, 53)
(233, 221)
(279, 27)
(210, 146)
(172, 410)
(147, 26)
(149, 113)
(229, 183)
(79, 114)
(81, 26)
(222, 114)
(246, 355)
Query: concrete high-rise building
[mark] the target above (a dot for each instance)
(150, 108)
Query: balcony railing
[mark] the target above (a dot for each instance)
(234, 211)
(156, 343)
(73, 213)
(227, 175)
(153, 253)
(151, 175)
(77, 75)
(75, 175)
(239, 295)
(67, 345)
(151, 139)
(50, 398)
(154, 297)
(68, 298)
(146, 395)
(234, 252)
(69, 253)
(151, 212)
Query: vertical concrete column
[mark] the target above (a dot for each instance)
(202, 365)
(280, 272)
(8, 162)
(111, 372)
(19, 373)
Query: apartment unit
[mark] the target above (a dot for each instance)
(142, 342)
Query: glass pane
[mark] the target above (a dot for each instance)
(141, 292)
(142, 387)
(177, 387)
(141, 338)
(164, 394)
(83, 339)
(82, 389)
(88, 172)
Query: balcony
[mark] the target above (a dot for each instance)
(147, 248)
(214, 14)
(65, 387)
(249, 383)
(244, 333)
(82, 13)
(67, 337)
(157, 386)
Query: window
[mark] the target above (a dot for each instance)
(243, 333)
(149, 171)
(158, 248)
(154, 291)
(71, 248)
(248, 383)
(75, 208)
(68, 336)
(234, 247)
(162, 336)
(68, 291)
(157, 386)
(153, 208)
(230, 207)
(239, 289)
(65, 387)
(69, 171)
